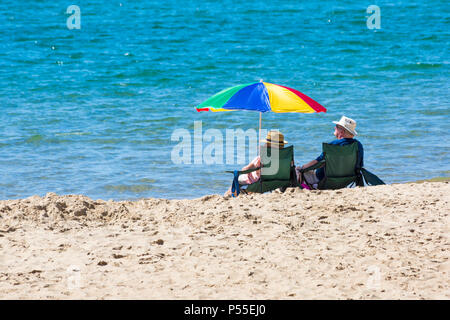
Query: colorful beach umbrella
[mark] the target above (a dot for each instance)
(262, 97)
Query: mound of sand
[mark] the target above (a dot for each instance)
(388, 242)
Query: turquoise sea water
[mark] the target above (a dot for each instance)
(92, 111)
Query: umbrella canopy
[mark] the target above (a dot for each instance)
(261, 97)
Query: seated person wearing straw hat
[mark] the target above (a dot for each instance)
(344, 132)
(274, 139)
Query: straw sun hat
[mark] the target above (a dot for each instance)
(348, 124)
(275, 138)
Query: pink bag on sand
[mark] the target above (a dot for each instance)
(305, 186)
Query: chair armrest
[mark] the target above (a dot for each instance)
(245, 171)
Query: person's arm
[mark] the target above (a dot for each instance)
(249, 166)
(309, 164)
(254, 164)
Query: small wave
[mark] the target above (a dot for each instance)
(76, 133)
(349, 50)
(74, 96)
(77, 55)
(436, 112)
(411, 66)
(420, 65)
(105, 141)
(130, 84)
(432, 37)
(35, 139)
(146, 73)
(139, 188)
(123, 93)
(205, 67)
(255, 11)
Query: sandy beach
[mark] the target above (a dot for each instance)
(384, 242)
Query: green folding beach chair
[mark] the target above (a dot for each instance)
(340, 168)
(284, 177)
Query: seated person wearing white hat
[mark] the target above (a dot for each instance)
(344, 132)
(274, 139)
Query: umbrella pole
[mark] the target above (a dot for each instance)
(259, 135)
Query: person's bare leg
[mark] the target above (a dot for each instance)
(299, 175)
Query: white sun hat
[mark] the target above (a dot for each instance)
(348, 124)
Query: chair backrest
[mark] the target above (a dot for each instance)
(340, 160)
(285, 158)
(272, 179)
(340, 166)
